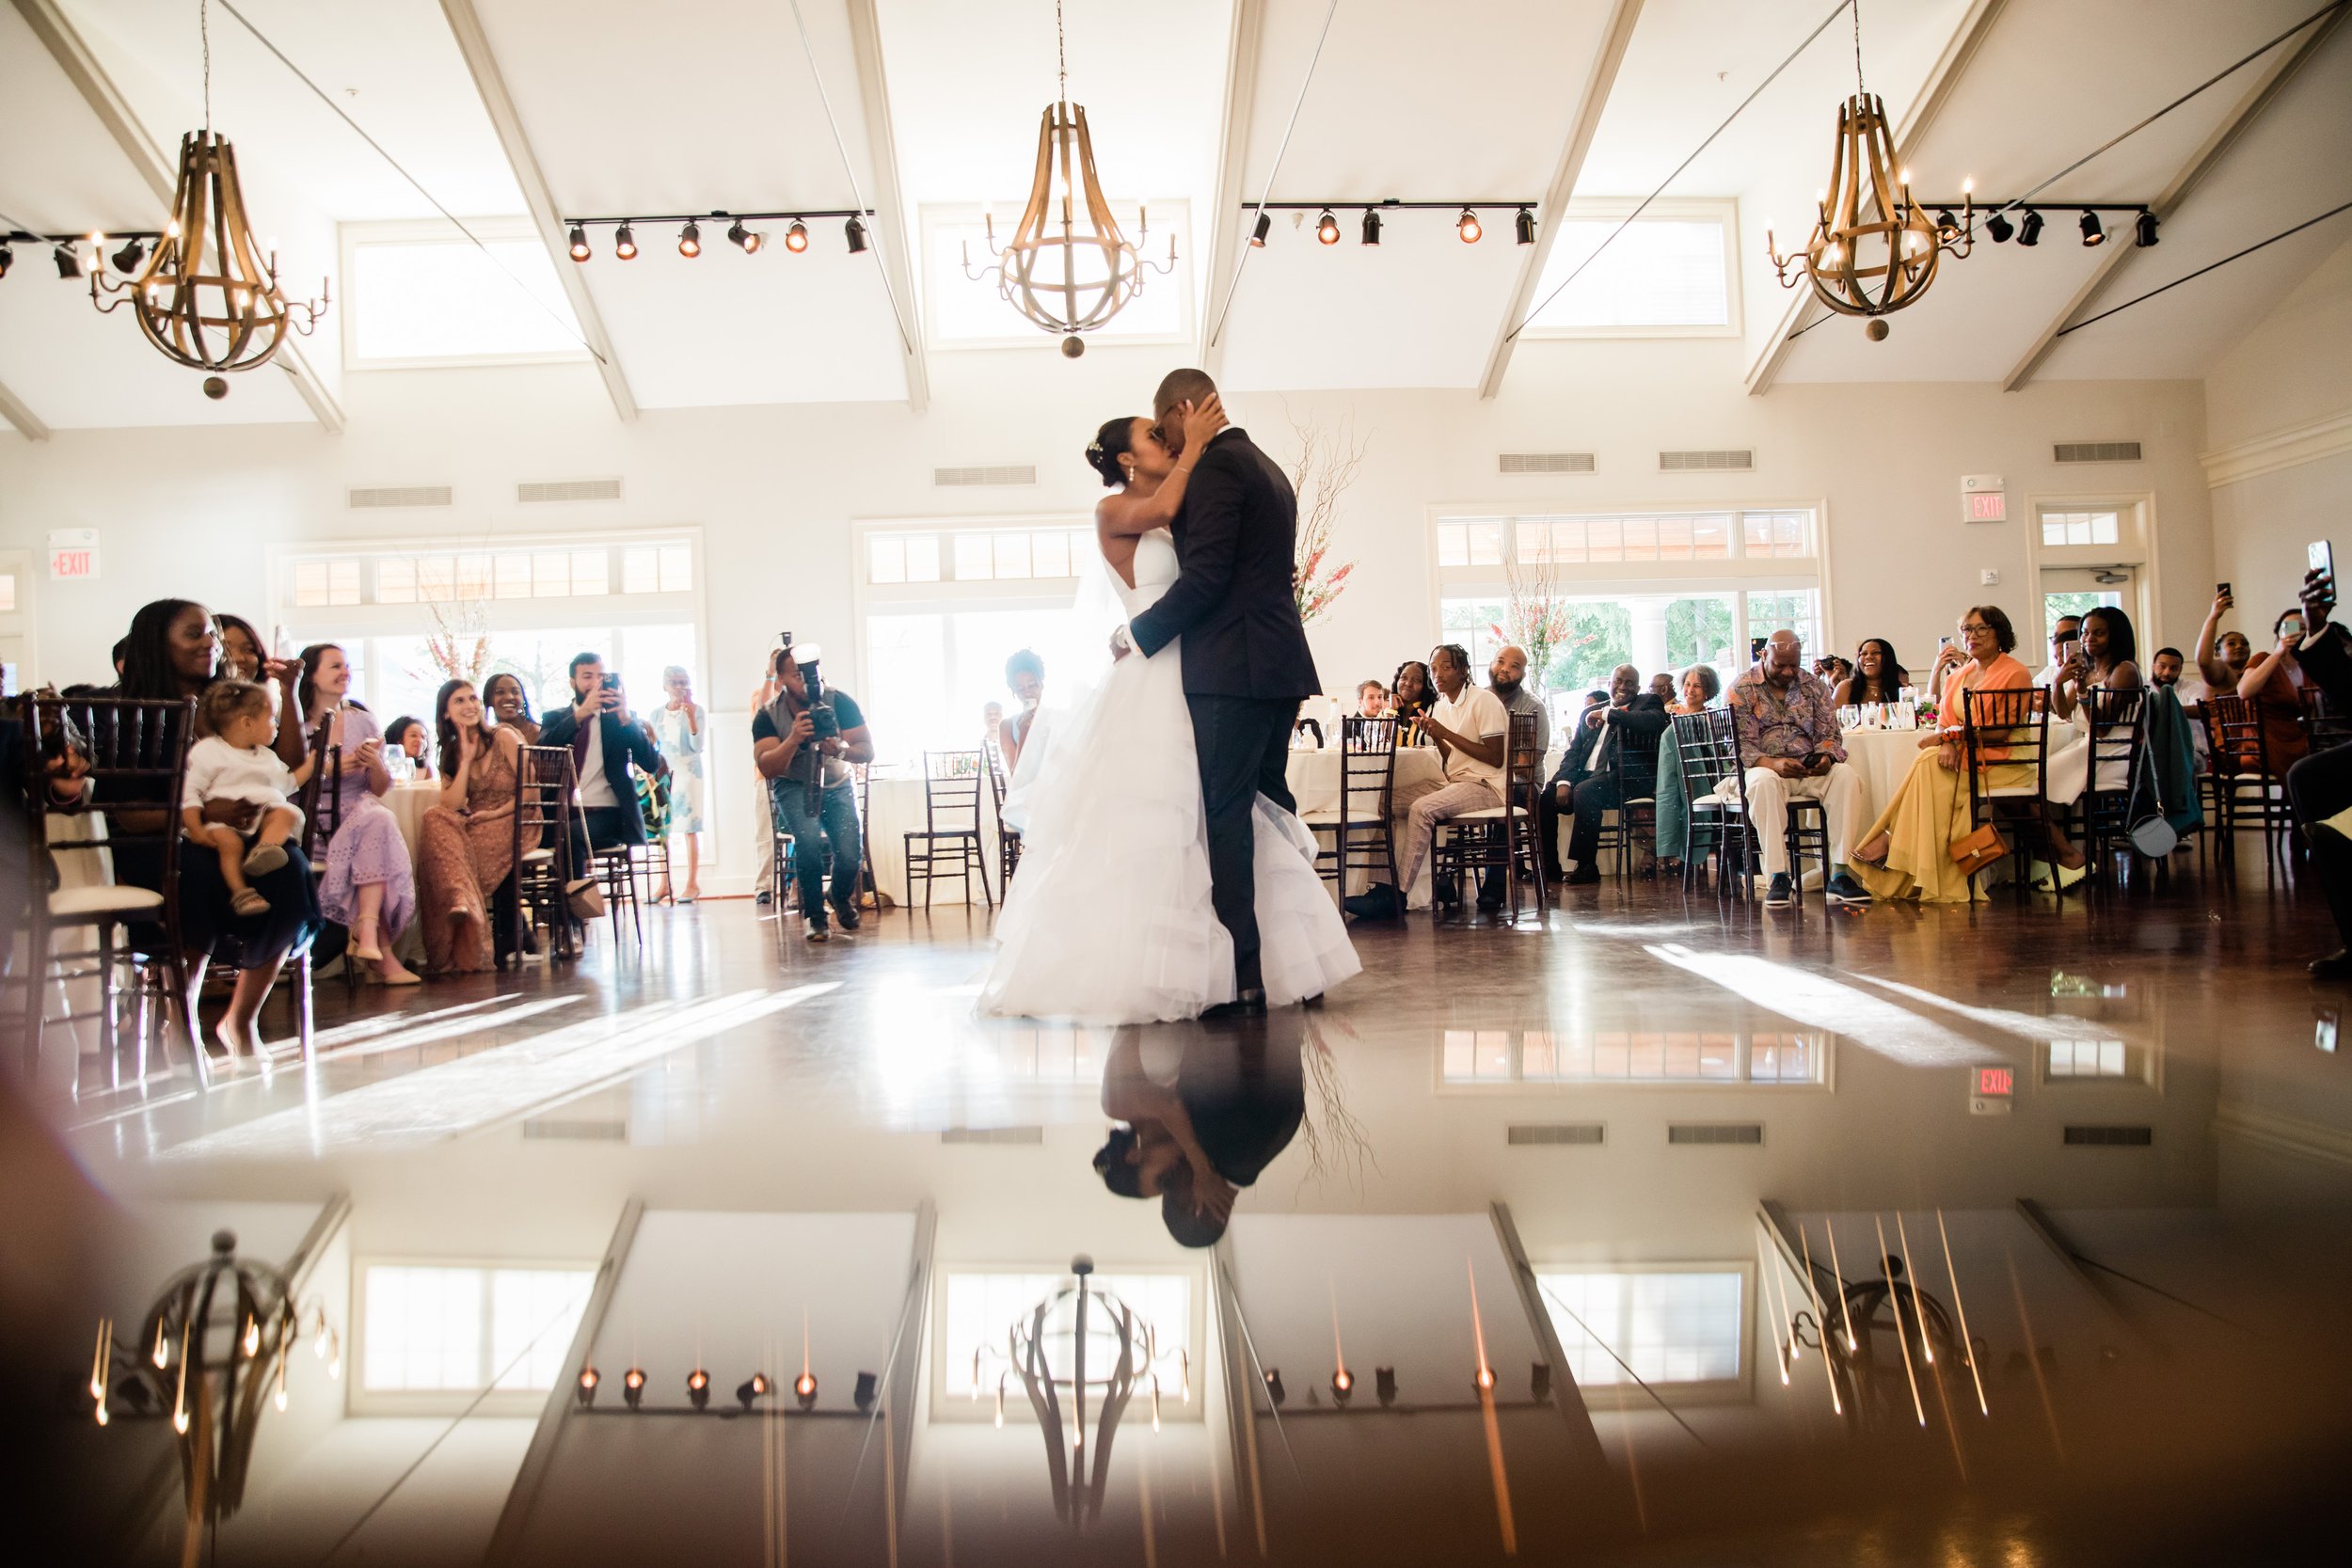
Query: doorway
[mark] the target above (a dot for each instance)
(16, 618)
(2072, 589)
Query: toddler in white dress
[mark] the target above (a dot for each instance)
(235, 763)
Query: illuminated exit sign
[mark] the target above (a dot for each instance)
(1991, 1090)
(1983, 499)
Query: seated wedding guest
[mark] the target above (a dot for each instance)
(1788, 739)
(1410, 693)
(173, 653)
(604, 741)
(992, 718)
(822, 821)
(370, 889)
(1834, 669)
(1661, 686)
(1907, 852)
(1627, 725)
(2220, 656)
(233, 762)
(2321, 784)
(506, 699)
(680, 728)
(122, 645)
(1701, 686)
(1876, 675)
(2066, 630)
(466, 844)
(2106, 657)
(2164, 670)
(406, 736)
(1372, 700)
(1025, 672)
(2273, 683)
(240, 648)
(1472, 730)
(1507, 678)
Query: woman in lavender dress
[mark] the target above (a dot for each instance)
(370, 888)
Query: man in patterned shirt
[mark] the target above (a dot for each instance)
(1788, 739)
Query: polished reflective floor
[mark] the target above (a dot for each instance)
(1662, 1230)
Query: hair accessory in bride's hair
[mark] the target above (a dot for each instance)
(1094, 450)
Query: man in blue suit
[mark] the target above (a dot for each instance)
(603, 743)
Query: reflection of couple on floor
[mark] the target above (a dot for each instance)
(1203, 1112)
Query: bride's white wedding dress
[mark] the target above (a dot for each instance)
(1109, 919)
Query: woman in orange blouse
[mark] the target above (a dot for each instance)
(1907, 852)
(2273, 683)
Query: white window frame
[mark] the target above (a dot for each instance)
(944, 1406)
(1738, 1391)
(2135, 531)
(351, 236)
(1019, 332)
(1723, 210)
(1823, 1044)
(360, 1401)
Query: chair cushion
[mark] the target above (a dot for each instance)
(1486, 814)
(537, 856)
(107, 898)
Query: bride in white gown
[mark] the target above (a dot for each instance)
(1109, 919)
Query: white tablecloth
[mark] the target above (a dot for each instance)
(1883, 759)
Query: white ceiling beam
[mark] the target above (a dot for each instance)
(1226, 225)
(27, 423)
(1599, 83)
(2118, 248)
(464, 26)
(891, 218)
(161, 174)
(1935, 93)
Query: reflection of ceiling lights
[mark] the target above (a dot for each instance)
(220, 1332)
(1083, 1340)
(1068, 266)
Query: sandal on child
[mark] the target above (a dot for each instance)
(248, 902)
(262, 859)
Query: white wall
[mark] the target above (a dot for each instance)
(2290, 372)
(190, 512)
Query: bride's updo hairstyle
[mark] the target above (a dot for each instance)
(1110, 445)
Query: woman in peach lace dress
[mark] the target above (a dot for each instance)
(466, 844)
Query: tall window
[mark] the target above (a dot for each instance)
(1660, 590)
(944, 606)
(1669, 1326)
(1499, 1058)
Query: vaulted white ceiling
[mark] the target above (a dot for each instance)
(907, 105)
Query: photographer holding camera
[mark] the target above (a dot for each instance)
(805, 743)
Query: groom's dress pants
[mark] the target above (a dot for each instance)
(1244, 744)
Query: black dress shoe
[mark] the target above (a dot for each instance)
(1442, 891)
(1378, 902)
(1584, 875)
(2335, 966)
(1249, 1003)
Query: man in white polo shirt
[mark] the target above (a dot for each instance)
(1472, 730)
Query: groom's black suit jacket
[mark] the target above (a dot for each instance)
(1237, 537)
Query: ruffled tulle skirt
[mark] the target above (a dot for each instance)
(1109, 919)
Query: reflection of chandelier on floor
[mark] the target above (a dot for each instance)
(1073, 272)
(1886, 1344)
(1872, 250)
(1051, 1349)
(209, 298)
(212, 1348)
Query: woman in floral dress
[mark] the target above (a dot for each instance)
(679, 729)
(466, 844)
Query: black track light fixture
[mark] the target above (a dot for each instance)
(1539, 1382)
(755, 1386)
(1372, 227)
(1274, 1389)
(127, 260)
(856, 232)
(2029, 231)
(68, 262)
(2092, 233)
(1265, 226)
(586, 1387)
(1327, 227)
(7, 257)
(580, 243)
(863, 1395)
(625, 243)
(805, 1390)
(690, 240)
(1946, 224)
(796, 237)
(1999, 228)
(1384, 1385)
(1467, 226)
(747, 241)
(698, 1389)
(1524, 227)
(633, 1387)
(2144, 230)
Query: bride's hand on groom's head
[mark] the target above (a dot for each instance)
(1202, 421)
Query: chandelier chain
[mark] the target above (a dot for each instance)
(204, 34)
(1061, 54)
(1860, 90)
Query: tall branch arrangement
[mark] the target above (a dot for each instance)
(459, 642)
(1536, 616)
(1328, 458)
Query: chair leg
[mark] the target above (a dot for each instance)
(302, 1002)
(184, 984)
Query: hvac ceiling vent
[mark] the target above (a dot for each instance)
(993, 1135)
(568, 490)
(2111, 1137)
(397, 495)
(1715, 1133)
(613, 1130)
(1586, 1132)
(1003, 473)
(1730, 461)
(2097, 451)
(1546, 462)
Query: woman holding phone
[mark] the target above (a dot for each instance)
(2273, 683)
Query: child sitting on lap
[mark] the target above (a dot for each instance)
(235, 763)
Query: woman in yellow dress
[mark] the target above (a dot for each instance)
(1907, 852)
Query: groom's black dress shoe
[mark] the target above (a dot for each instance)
(1249, 1003)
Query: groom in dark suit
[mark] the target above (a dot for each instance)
(1245, 661)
